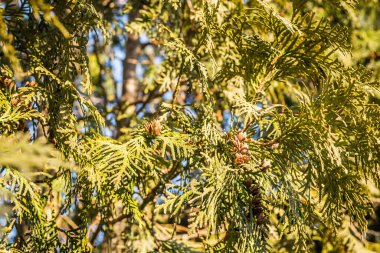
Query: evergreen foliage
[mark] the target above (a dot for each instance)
(238, 126)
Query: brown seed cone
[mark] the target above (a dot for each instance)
(31, 84)
(15, 101)
(153, 128)
(241, 148)
(256, 202)
(262, 219)
(241, 158)
(242, 136)
(248, 182)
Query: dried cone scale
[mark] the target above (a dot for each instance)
(153, 128)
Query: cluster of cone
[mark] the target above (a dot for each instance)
(8, 82)
(241, 148)
(17, 99)
(242, 156)
(257, 206)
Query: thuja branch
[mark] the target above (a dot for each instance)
(156, 190)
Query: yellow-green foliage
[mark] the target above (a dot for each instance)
(255, 127)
